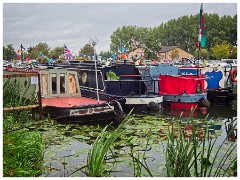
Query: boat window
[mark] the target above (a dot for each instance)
(54, 83)
(62, 83)
(44, 84)
(72, 84)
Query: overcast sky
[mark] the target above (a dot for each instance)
(74, 23)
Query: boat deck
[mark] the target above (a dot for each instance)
(66, 102)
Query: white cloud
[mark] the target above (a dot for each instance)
(74, 23)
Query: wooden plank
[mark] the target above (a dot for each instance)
(21, 107)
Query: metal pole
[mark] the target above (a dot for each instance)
(21, 46)
(199, 47)
(94, 42)
(39, 96)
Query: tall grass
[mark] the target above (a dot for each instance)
(22, 154)
(194, 155)
(97, 154)
(22, 150)
(16, 94)
(139, 163)
(188, 153)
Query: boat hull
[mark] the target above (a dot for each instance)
(84, 114)
(77, 109)
(144, 104)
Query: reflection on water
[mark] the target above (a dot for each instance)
(67, 145)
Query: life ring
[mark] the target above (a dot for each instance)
(232, 75)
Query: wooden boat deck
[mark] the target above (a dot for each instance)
(67, 102)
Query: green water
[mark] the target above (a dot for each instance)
(67, 145)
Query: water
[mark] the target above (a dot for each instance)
(67, 146)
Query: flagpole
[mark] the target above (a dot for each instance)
(94, 42)
(21, 46)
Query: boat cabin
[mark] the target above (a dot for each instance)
(59, 83)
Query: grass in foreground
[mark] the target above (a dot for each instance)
(22, 154)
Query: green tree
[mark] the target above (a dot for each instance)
(56, 52)
(87, 50)
(121, 38)
(221, 50)
(182, 32)
(203, 54)
(8, 52)
(41, 47)
(105, 55)
(233, 52)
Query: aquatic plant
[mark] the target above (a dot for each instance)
(100, 148)
(136, 152)
(140, 162)
(194, 155)
(17, 94)
(22, 150)
(22, 154)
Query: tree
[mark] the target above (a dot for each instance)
(105, 55)
(40, 48)
(56, 52)
(8, 52)
(203, 54)
(221, 50)
(233, 52)
(121, 38)
(181, 32)
(87, 50)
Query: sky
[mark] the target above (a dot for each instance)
(74, 24)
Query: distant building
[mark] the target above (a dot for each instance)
(174, 53)
(136, 53)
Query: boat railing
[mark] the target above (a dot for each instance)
(140, 81)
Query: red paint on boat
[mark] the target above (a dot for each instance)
(183, 113)
(183, 106)
(69, 101)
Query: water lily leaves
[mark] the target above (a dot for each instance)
(71, 142)
(81, 137)
(93, 134)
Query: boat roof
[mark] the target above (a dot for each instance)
(67, 102)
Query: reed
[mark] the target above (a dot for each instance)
(194, 156)
(17, 94)
(22, 154)
(102, 145)
(140, 163)
(22, 150)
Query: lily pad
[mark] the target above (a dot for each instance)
(81, 137)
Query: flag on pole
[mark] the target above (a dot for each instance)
(202, 33)
(67, 53)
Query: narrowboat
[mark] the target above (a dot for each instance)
(61, 97)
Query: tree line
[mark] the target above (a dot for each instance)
(181, 32)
